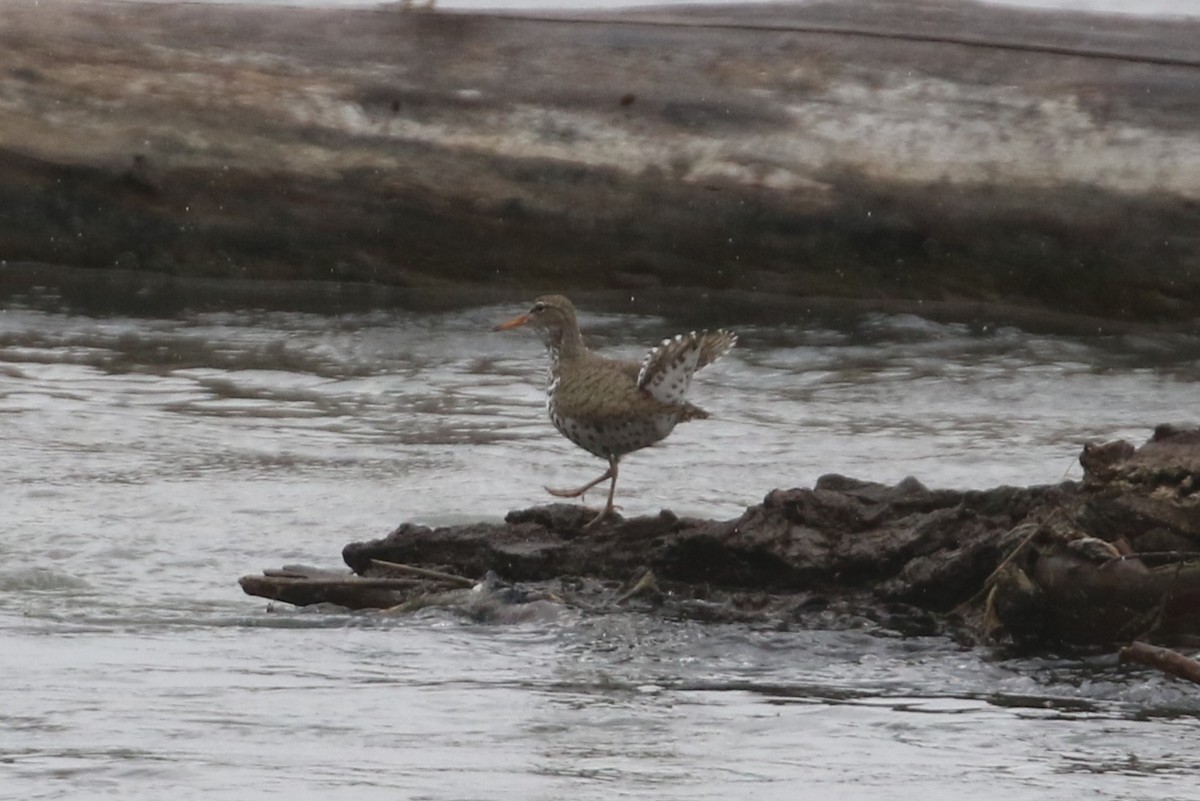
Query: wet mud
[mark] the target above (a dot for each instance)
(1113, 558)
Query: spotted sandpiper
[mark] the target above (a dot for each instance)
(611, 407)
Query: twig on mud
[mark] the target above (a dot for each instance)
(425, 573)
(646, 585)
(1163, 659)
(990, 580)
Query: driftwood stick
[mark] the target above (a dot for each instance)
(1163, 659)
(425, 573)
(342, 582)
(646, 585)
(352, 592)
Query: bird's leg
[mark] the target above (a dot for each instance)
(612, 488)
(575, 493)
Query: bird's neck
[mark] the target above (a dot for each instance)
(566, 348)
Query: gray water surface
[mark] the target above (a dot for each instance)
(150, 460)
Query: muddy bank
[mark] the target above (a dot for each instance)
(872, 150)
(1111, 559)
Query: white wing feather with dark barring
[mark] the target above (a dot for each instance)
(666, 371)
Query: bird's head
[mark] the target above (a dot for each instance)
(552, 316)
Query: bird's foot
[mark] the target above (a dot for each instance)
(578, 491)
(605, 513)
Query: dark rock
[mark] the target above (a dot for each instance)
(1145, 496)
(899, 544)
(1123, 562)
(562, 518)
(522, 552)
(1106, 561)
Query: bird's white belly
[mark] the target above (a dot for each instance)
(607, 440)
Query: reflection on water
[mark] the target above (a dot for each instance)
(149, 461)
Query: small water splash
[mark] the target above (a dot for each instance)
(39, 580)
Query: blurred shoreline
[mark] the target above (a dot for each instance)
(936, 155)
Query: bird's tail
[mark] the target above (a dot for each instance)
(666, 372)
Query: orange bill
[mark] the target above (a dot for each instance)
(515, 322)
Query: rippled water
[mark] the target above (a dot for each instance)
(151, 460)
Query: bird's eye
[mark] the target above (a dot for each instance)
(538, 307)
